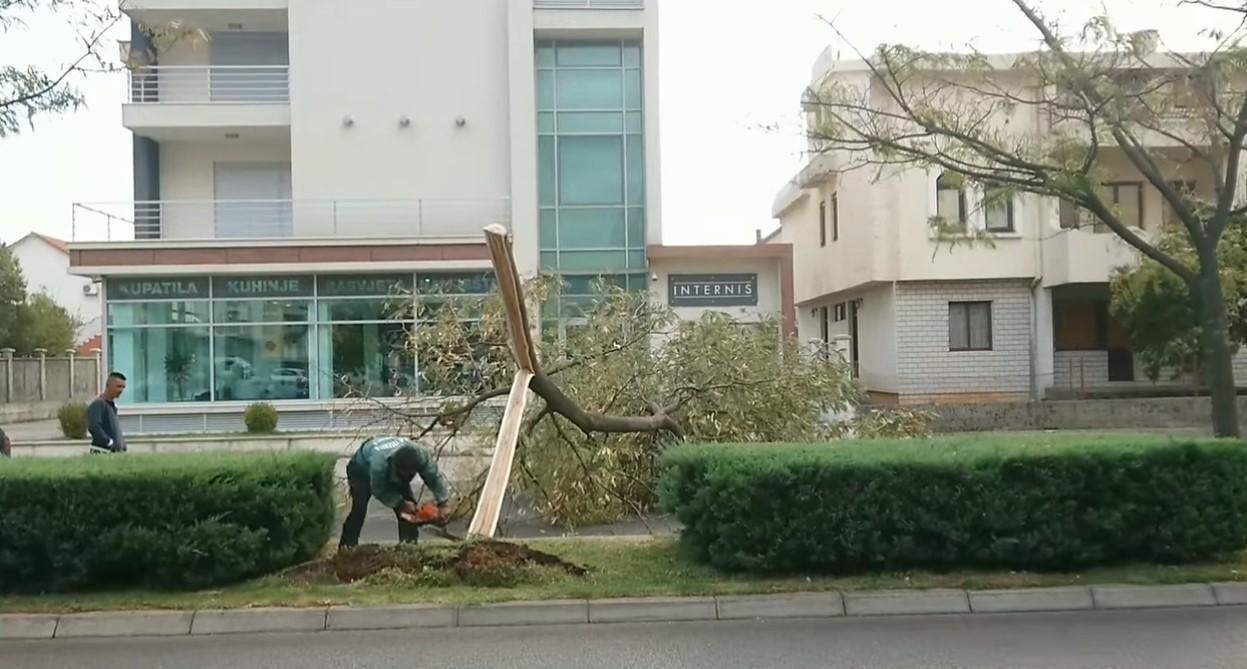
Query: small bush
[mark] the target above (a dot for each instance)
(892, 423)
(179, 521)
(1025, 503)
(73, 420)
(260, 418)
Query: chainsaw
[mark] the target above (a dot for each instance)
(429, 516)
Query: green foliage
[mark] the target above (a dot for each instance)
(892, 423)
(12, 297)
(169, 521)
(1020, 503)
(720, 379)
(73, 420)
(1162, 315)
(29, 322)
(47, 325)
(260, 418)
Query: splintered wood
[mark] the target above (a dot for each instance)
(485, 520)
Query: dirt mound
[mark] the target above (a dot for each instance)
(484, 563)
(491, 555)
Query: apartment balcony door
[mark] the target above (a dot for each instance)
(246, 67)
(252, 200)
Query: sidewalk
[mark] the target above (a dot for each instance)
(38, 430)
(582, 612)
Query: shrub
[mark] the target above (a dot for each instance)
(873, 423)
(260, 418)
(179, 521)
(73, 419)
(1026, 503)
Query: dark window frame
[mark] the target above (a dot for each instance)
(824, 325)
(1111, 188)
(1010, 224)
(968, 306)
(822, 223)
(835, 217)
(962, 214)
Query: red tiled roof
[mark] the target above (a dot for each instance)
(94, 342)
(58, 244)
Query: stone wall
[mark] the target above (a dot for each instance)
(34, 388)
(1109, 414)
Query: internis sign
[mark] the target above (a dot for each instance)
(712, 290)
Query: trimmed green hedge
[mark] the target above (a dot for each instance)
(1017, 502)
(178, 521)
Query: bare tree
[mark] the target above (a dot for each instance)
(1097, 89)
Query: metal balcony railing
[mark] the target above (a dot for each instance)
(193, 84)
(589, 4)
(279, 219)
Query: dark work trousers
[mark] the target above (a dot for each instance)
(360, 485)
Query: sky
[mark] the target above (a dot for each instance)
(732, 73)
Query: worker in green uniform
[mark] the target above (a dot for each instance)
(384, 467)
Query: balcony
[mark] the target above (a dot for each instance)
(589, 4)
(241, 220)
(169, 101)
(1082, 255)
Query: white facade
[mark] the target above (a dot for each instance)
(285, 152)
(45, 264)
(866, 253)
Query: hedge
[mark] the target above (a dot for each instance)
(1040, 503)
(171, 521)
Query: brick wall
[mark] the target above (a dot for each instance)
(926, 367)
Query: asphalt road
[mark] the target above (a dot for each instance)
(1172, 639)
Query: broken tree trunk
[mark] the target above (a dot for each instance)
(485, 520)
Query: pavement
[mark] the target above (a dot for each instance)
(1158, 639)
(37, 430)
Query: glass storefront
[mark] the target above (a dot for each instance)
(243, 339)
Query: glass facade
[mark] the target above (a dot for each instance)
(591, 155)
(271, 338)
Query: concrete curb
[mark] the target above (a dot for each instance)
(581, 612)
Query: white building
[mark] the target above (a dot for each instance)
(45, 264)
(1023, 317)
(315, 156)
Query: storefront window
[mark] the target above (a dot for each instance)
(287, 337)
(162, 364)
(367, 359)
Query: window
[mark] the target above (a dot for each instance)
(1072, 215)
(969, 326)
(822, 224)
(591, 156)
(998, 208)
(1187, 190)
(950, 200)
(835, 217)
(163, 364)
(1127, 200)
(824, 327)
(842, 312)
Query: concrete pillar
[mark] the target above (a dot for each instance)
(43, 373)
(1043, 349)
(70, 353)
(7, 353)
(99, 371)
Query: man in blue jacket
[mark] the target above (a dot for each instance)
(102, 420)
(384, 467)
